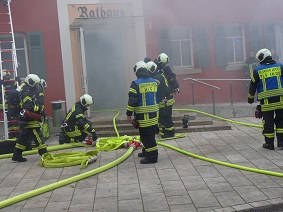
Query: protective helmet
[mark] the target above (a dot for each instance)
(140, 66)
(43, 83)
(32, 79)
(163, 58)
(151, 67)
(262, 54)
(86, 100)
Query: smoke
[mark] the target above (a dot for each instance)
(106, 68)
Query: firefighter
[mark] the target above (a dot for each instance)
(249, 65)
(31, 112)
(167, 100)
(75, 127)
(143, 104)
(267, 81)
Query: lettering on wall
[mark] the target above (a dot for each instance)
(100, 12)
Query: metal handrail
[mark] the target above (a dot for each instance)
(197, 80)
(213, 98)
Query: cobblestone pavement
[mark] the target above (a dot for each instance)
(176, 183)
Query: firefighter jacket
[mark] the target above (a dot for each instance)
(75, 122)
(171, 77)
(249, 66)
(143, 101)
(29, 101)
(165, 91)
(267, 80)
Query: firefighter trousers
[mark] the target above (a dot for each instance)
(268, 125)
(147, 137)
(166, 122)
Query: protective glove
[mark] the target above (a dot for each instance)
(177, 90)
(129, 118)
(94, 136)
(250, 100)
(258, 113)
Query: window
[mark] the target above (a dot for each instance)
(177, 44)
(21, 50)
(279, 40)
(229, 45)
(235, 44)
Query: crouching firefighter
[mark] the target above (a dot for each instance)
(75, 126)
(31, 112)
(143, 103)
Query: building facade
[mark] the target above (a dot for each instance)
(91, 46)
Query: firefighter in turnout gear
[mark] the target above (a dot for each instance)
(167, 90)
(267, 81)
(143, 104)
(31, 112)
(75, 126)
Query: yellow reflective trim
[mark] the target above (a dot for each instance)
(270, 93)
(132, 91)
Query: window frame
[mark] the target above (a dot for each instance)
(25, 49)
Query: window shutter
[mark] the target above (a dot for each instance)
(254, 37)
(164, 42)
(36, 54)
(202, 48)
(220, 47)
(269, 36)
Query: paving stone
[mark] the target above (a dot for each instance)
(172, 188)
(203, 199)
(128, 191)
(106, 204)
(154, 202)
(148, 186)
(131, 205)
(229, 198)
(250, 193)
(178, 200)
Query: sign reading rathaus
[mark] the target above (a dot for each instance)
(100, 12)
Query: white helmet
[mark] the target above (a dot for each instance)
(140, 65)
(43, 83)
(163, 58)
(32, 79)
(262, 54)
(151, 66)
(86, 100)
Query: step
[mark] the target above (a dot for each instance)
(178, 129)
(126, 125)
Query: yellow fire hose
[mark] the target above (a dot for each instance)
(67, 181)
(114, 163)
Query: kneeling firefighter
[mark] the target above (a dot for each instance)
(143, 103)
(31, 113)
(75, 126)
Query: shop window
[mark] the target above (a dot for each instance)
(21, 50)
(229, 45)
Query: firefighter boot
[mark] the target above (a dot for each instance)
(269, 144)
(279, 140)
(142, 154)
(17, 156)
(42, 151)
(149, 159)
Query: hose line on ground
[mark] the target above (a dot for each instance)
(277, 174)
(67, 181)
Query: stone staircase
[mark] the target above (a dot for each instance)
(103, 123)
